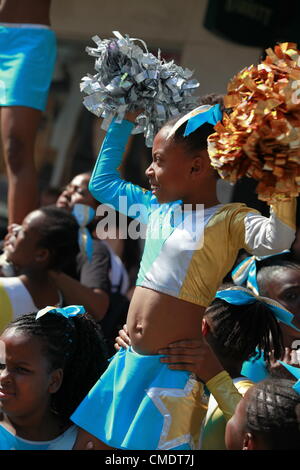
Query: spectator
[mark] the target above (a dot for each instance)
(46, 240)
(49, 362)
(101, 280)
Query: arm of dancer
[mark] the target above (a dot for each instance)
(225, 392)
(262, 236)
(106, 184)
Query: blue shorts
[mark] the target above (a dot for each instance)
(140, 404)
(27, 60)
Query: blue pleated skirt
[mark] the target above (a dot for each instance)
(140, 404)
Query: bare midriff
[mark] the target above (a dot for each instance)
(156, 319)
(25, 11)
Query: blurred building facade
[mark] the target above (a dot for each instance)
(70, 137)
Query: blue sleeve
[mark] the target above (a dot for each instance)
(106, 185)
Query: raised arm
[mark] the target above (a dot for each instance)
(262, 236)
(106, 185)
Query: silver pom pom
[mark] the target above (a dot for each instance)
(129, 78)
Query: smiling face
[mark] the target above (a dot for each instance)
(77, 192)
(26, 382)
(284, 286)
(170, 171)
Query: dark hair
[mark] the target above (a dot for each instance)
(239, 330)
(74, 344)
(212, 99)
(268, 267)
(197, 140)
(50, 191)
(271, 412)
(59, 234)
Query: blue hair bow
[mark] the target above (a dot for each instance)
(242, 296)
(67, 312)
(211, 116)
(84, 215)
(246, 271)
(295, 371)
(197, 117)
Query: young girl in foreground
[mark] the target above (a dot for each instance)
(48, 363)
(138, 403)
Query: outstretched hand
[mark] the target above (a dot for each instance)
(193, 355)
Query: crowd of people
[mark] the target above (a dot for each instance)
(194, 345)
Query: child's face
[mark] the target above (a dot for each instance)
(284, 286)
(21, 247)
(26, 383)
(170, 171)
(77, 192)
(236, 426)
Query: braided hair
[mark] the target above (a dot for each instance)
(74, 344)
(273, 411)
(239, 330)
(197, 140)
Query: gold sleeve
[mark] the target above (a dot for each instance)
(263, 236)
(285, 211)
(225, 393)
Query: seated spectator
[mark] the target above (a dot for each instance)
(102, 280)
(46, 240)
(76, 192)
(92, 285)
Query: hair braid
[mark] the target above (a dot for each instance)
(84, 367)
(274, 412)
(239, 330)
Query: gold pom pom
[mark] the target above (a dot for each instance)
(260, 138)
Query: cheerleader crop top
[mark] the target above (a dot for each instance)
(187, 253)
